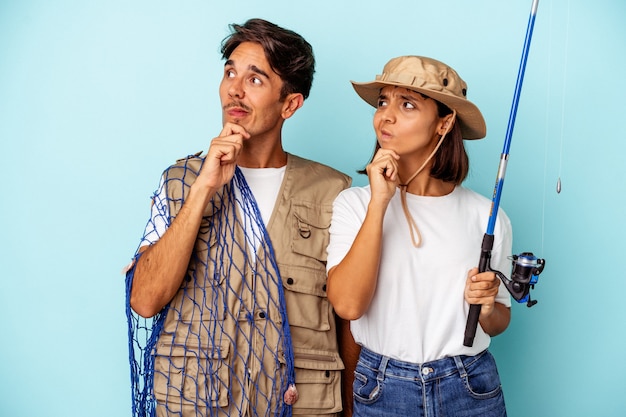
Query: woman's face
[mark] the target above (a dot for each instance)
(406, 122)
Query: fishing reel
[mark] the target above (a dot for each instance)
(526, 268)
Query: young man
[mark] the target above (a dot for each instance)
(232, 265)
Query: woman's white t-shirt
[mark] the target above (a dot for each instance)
(418, 313)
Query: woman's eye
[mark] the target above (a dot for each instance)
(256, 81)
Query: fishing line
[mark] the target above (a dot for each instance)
(558, 182)
(546, 134)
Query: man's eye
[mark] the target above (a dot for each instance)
(408, 105)
(230, 73)
(382, 103)
(256, 80)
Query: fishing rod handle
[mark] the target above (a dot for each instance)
(474, 312)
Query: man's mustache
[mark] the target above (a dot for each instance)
(236, 104)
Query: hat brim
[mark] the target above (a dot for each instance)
(469, 117)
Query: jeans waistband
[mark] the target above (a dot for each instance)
(427, 371)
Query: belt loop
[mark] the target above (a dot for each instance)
(459, 364)
(382, 367)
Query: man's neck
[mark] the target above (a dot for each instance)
(262, 155)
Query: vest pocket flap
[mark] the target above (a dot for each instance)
(313, 214)
(193, 347)
(303, 280)
(317, 359)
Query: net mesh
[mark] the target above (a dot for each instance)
(222, 346)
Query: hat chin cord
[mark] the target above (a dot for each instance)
(416, 236)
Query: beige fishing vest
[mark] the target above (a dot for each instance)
(195, 348)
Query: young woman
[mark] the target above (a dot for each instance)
(403, 253)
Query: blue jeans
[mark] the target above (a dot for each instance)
(460, 386)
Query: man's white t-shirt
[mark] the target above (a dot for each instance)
(418, 313)
(264, 183)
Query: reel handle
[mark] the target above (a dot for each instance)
(474, 311)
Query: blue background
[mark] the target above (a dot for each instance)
(96, 98)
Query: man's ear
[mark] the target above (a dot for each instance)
(292, 103)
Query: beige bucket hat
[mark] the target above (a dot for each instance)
(433, 79)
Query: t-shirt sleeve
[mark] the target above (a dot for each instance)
(159, 217)
(345, 224)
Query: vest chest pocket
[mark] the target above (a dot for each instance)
(305, 296)
(311, 222)
(303, 271)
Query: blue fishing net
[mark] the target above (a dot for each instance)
(222, 346)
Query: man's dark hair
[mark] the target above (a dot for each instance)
(288, 53)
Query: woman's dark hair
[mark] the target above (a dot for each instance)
(450, 163)
(288, 53)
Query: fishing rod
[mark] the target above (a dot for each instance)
(526, 267)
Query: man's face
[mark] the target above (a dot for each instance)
(250, 92)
